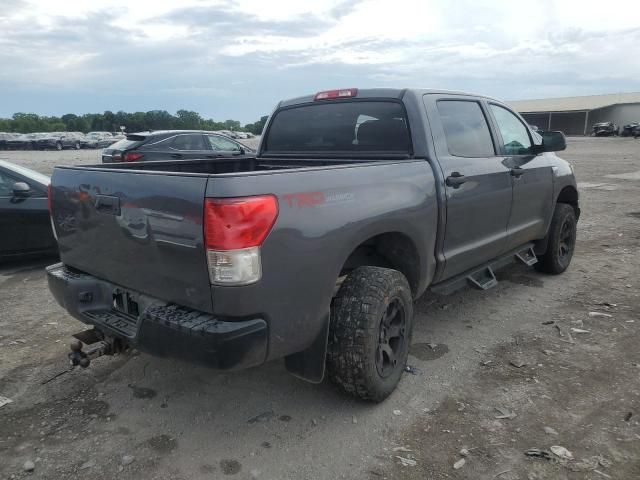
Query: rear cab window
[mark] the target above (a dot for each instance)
(340, 127)
(465, 128)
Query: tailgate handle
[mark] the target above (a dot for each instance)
(108, 204)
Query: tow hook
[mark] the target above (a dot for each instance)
(90, 348)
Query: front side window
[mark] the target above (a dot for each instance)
(465, 128)
(221, 144)
(514, 133)
(6, 185)
(188, 142)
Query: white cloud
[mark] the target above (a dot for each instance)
(257, 51)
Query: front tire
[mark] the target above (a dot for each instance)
(58, 146)
(561, 242)
(370, 332)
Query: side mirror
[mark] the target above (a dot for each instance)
(21, 190)
(553, 141)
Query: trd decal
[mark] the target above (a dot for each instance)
(302, 200)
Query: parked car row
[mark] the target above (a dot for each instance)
(57, 140)
(609, 129)
(78, 140)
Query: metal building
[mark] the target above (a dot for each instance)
(576, 115)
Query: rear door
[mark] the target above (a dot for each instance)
(139, 230)
(531, 175)
(477, 183)
(223, 147)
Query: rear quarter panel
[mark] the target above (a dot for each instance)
(323, 216)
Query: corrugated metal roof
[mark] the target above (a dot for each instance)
(589, 102)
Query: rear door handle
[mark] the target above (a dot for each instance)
(455, 179)
(517, 171)
(176, 155)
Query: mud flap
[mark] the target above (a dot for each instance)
(310, 364)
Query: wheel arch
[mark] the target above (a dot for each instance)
(392, 249)
(569, 195)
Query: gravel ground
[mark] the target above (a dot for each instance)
(531, 351)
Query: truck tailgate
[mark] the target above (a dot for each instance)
(142, 231)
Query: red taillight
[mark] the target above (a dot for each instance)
(49, 198)
(333, 94)
(235, 223)
(132, 157)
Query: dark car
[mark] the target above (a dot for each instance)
(356, 203)
(98, 140)
(173, 145)
(4, 138)
(60, 141)
(24, 141)
(25, 225)
(605, 129)
(631, 130)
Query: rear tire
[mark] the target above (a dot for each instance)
(370, 332)
(561, 242)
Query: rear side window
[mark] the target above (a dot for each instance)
(222, 144)
(188, 142)
(6, 185)
(125, 144)
(356, 126)
(465, 128)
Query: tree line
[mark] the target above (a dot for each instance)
(133, 122)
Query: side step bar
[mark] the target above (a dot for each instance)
(483, 277)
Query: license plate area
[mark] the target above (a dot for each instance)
(123, 302)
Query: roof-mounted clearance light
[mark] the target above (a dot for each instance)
(333, 94)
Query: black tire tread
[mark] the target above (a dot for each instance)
(355, 314)
(548, 262)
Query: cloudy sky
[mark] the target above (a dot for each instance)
(235, 59)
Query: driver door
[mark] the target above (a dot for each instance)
(531, 177)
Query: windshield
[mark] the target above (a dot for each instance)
(340, 127)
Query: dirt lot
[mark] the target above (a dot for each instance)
(538, 362)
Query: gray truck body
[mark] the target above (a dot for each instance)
(334, 214)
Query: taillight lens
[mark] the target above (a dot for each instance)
(132, 157)
(233, 223)
(234, 229)
(49, 198)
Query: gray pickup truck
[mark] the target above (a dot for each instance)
(357, 203)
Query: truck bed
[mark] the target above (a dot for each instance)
(234, 165)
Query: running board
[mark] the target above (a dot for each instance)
(528, 256)
(483, 277)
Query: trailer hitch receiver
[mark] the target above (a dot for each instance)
(87, 346)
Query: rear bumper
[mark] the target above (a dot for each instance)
(160, 328)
